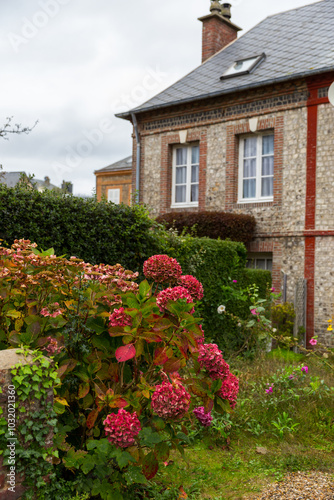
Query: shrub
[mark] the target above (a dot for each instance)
(216, 264)
(223, 225)
(283, 318)
(95, 232)
(129, 370)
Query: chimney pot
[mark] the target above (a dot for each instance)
(215, 7)
(226, 10)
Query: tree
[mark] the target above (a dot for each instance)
(17, 128)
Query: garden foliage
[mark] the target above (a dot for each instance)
(133, 363)
(223, 225)
(95, 232)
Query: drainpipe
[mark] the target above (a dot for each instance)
(135, 124)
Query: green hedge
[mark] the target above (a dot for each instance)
(216, 264)
(95, 232)
(108, 233)
(222, 225)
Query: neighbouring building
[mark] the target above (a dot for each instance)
(11, 179)
(251, 130)
(114, 182)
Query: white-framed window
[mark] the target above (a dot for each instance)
(256, 168)
(185, 179)
(114, 195)
(260, 261)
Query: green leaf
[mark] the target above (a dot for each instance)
(148, 437)
(96, 324)
(134, 475)
(161, 451)
(144, 289)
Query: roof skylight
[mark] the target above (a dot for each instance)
(243, 66)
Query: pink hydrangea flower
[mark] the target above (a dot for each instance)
(204, 418)
(122, 428)
(176, 293)
(53, 347)
(313, 341)
(120, 318)
(162, 269)
(211, 359)
(230, 389)
(53, 313)
(170, 400)
(304, 369)
(254, 312)
(194, 287)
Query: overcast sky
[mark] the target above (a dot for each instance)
(73, 64)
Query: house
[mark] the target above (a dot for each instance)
(251, 130)
(11, 179)
(114, 182)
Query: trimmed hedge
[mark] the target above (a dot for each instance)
(101, 232)
(223, 225)
(95, 232)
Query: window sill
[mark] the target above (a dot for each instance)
(184, 205)
(251, 201)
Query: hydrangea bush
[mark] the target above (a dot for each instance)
(133, 361)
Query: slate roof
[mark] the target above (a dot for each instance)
(297, 43)
(10, 178)
(125, 164)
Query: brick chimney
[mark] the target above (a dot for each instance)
(218, 31)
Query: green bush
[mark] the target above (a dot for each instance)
(216, 263)
(95, 232)
(237, 227)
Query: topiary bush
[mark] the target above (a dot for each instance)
(223, 225)
(95, 232)
(133, 365)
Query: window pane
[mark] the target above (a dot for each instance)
(267, 186)
(195, 155)
(249, 188)
(194, 192)
(181, 156)
(195, 173)
(181, 175)
(269, 265)
(250, 168)
(260, 264)
(268, 165)
(268, 145)
(250, 147)
(180, 194)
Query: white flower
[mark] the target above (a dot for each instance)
(221, 309)
(274, 330)
(239, 324)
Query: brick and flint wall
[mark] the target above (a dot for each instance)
(298, 226)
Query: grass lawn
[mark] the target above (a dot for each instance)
(228, 461)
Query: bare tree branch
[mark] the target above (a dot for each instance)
(10, 128)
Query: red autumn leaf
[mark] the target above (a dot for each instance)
(84, 389)
(208, 405)
(91, 419)
(125, 353)
(183, 495)
(150, 466)
(120, 403)
(160, 356)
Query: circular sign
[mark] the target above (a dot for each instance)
(331, 94)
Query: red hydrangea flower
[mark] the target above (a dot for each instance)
(170, 400)
(162, 269)
(122, 428)
(211, 358)
(194, 287)
(120, 318)
(53, 347)
(176, 293)
(230, 388)
(204, 418)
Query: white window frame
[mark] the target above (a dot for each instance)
(258, 198)
(112, 192)
(187, 203)
(252, 258)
